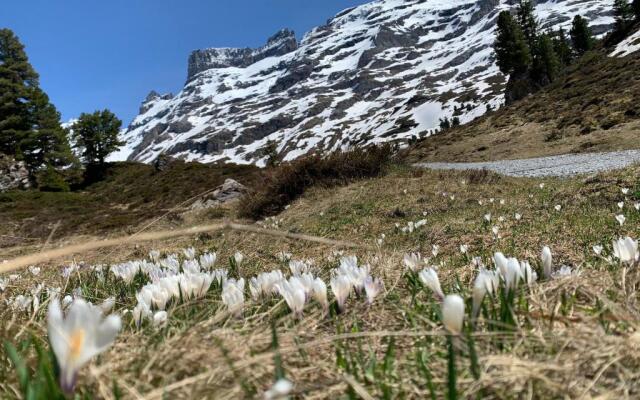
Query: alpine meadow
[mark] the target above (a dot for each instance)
(413, 199)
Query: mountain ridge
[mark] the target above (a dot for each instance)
(384, 71)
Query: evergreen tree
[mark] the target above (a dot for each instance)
(445, 124)
(455, 121)
(635, 6)
(512, 52)
(270, 151)
(46, 144)
(624, 14)
(581, 35)
(17, 81)
(546, 65)
(97, 136)
(528, 22)
(562, 47)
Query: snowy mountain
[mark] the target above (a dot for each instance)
(384, 71)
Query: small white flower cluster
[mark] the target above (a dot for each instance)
(168, 283)
(271, 222)
(412, 226)
(349, 277)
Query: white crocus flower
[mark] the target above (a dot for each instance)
(513, 275)
(107, 305)
(625, 191)
(626, 250)
(294, 294)
(487, 217)
(320, 293)
(279, 391)
(372, 288)
(558, 207)
(598, 249)
(620, 218)
(501, 263)
(464, 248)
(208, 260)
(495, 230)
(238, 258)
(141, 312)
(637, 206)
(542, 186)
(547, 262)
(160, 319)
(621, 205)
(76, 339)
(233, 296)
(453, 313)
(429, 278)
(413, 261)
(486, 283)
(528, 274)
(35, 271)
(518, 216)
(341, 288)
(283, 256)
(66, 301)
(298, 267)
(189, 253)
(435, 249)
(154, 255)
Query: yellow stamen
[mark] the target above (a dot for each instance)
(76, 342)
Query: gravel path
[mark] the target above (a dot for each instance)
(564, 165)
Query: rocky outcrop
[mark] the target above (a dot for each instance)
(279, 44)
(230, 190)
(13, 174)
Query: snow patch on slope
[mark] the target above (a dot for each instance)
(628, 46)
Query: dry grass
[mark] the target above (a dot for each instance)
(578, 337)
(594, 108)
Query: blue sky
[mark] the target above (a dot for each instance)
(109, 54)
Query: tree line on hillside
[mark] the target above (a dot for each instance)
(533, 59)
(30, 128)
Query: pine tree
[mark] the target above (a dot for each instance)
(445, 124)
(512, 52)
(562, 47)
(581, 35)
(528, 22)
(17, 81)
(270, 151)
(546, 65)
(46, 144)
(635, 6)
(624, 14)
(96, 135)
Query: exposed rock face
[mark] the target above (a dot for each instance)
(384, 71)
(13, 174)
(230, 190)
(279, 44)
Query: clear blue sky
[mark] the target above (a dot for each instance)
(94, 54)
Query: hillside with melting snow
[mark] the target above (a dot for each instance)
(384, 71)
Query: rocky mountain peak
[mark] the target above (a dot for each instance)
(282, 42)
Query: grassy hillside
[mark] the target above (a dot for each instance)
(131, 194)
(567, 337)
(595, 107)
